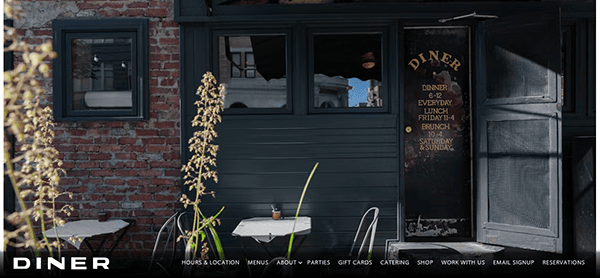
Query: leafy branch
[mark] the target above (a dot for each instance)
(35, 172)
(200, 167)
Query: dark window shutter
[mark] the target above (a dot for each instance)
(518, 125)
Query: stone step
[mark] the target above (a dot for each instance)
(444, 258)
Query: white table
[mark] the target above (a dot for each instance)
(78, 231)
(265, 229)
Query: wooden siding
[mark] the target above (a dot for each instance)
(266, 160)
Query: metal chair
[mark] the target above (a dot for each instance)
(371, 229)
(173, 230)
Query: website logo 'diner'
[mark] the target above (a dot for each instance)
(75, 263)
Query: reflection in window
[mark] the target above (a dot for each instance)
(236, 60)
(101, 71)
(347, 71)
(253, 70)
(250, 66)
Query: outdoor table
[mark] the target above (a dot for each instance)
(84, 229)
(264, 229)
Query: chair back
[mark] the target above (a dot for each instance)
(370, 230)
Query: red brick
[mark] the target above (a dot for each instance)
(158, 12)
(114, 181)
(172, 173)
(67, 165)
(136, 164)
(99, 132)
(135, 183)
(91, 125)
(108, 205)
(156, 204)
(95, 181)
(66, 181)
(167, 82)
(127, 141)
(154, 141)
(114, 124)
(141, 213)
(109, 148)
(159, 197)
(143, 4)
(92, 164)
(125, 155)
(65, 148)
(155, 148)
(146, 132)
(171, 66)
(167, 41)
(77, 173)
(159, 57)
(105, 140)
(78, 156)
(77, 132)
(134, 12)
(84, 5)
(165, 212)
(103, 189)
(163, 164)
(140, 197)
(79, 189)
(112, 5)
(160, 107)
(88, 148)
(149, 173)
(134, 149)
(112, 197)
(162, 182)
(101, 173)
(100, 156)
(168, 23)
(42, 32)
(171, 156)
(125, 173)
(112, 165)
(81, 141)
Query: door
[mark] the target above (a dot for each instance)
(518, 128)
(437, 139)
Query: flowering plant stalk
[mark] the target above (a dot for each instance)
(200, 167)
(35, 172)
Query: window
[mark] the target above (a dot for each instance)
(101, 72)
(347, 73)
(236, 60)
(334, 70)
(258, 80)
(250, 66)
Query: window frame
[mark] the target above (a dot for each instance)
(384, 91)
(63, 30)
(232, 32)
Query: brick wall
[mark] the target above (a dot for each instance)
(128, 169)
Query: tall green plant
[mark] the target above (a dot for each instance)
(200, 167)
(289, 252)
(35, 172)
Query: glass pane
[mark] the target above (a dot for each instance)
(347, 71)
(263, 82)
(101, 71)
(250, 66)
(236, 60)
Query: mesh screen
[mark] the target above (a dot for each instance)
(518, 173)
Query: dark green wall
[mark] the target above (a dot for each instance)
(266, 160)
